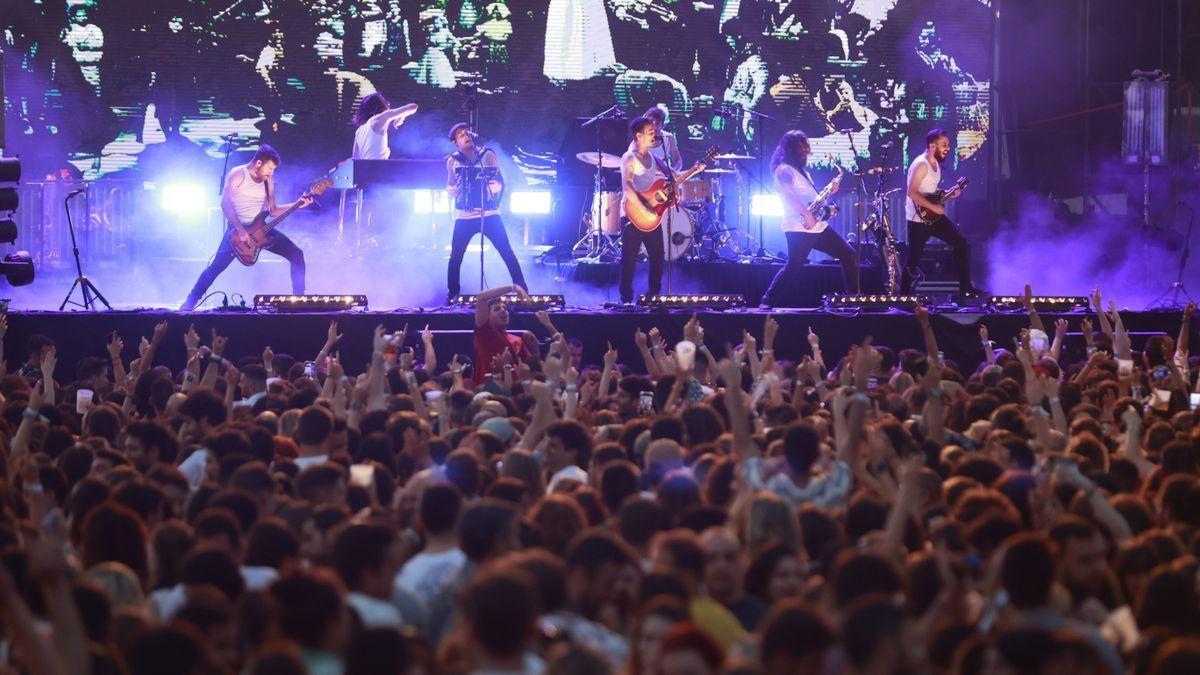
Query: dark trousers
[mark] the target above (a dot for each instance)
(277, 243)
(942, 228)
(631, 244)
(493, 229)
(800, 244)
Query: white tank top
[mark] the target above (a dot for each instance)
(370, 145)
(248, 199)
(929, 184)
(643, 176)
(801, 190)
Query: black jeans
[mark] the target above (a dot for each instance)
(277, 243)
(800, 244)
(942, 228)
(493, 229)
(631, 244)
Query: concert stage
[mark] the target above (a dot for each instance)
(81, 334)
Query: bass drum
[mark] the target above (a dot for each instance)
(678, 231)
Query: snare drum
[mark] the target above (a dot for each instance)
(696, 190)
(610, 210)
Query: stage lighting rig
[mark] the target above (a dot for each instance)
(703, 301)
(531, 303)
(1041, 303)
(308, 303)
(872, 301)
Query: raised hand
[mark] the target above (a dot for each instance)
(749, 341)
(191, 339)
(1086, 327)
(730, 371)
(332, 335)
(922, 315)
(770, 330)
(268, 357)
(232, 376)
(983, 333)
(426, 335)
(814, 340)
(115, 346)
(1060, 329)
(610, 356)
(335, 370)
(49, 361)
(143, 347)
(37, 395)
(379, 342)
(656, 338)
(639, 338)
(218, 344)
(1049, 385)
(160, 332)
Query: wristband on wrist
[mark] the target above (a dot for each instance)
(1054, 399)
(31, 413)
(34, 487)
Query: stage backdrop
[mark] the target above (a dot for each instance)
(146, 90)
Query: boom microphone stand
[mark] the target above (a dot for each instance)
(86, 288)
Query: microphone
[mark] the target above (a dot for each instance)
(230, 136)
(75, 192)
(888, 145)
(847, 131)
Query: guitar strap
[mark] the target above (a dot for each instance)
(666, 170)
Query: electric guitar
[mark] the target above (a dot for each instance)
(246, 249)
(646, 212)
(941, 197)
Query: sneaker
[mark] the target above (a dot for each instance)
(189, 304)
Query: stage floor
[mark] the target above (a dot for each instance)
(80, 334)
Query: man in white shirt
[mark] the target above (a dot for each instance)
(568, 449)
(312, 436)
(441, 558)
(367, 556)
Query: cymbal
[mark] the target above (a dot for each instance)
(708, 171)
(602, 159)
(735, 157)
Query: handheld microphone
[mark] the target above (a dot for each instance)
(75, 192)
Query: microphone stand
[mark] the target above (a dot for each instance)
(85, 286)
(761, 255)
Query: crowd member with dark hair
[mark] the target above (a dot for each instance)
(1028, 512)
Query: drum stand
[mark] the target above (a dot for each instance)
(595, 245)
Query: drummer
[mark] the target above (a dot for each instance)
(665, 147)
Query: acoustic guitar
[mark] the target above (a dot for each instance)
(246, 249)
(647, 213)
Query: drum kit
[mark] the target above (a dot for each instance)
(697, 229)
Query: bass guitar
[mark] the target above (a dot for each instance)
(646, 212)
(247, 248)
(940, 197)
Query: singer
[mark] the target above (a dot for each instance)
(474, 180)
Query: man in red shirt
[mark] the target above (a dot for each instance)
(491, 331)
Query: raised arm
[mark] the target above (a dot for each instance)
(931, 345)
(1035, 321)
(431, 363)
(483, 304)
(393, 116)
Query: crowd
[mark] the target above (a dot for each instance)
(669, 512)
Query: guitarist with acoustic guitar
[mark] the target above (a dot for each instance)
(249, 192)
(925, 211)
(648, 186)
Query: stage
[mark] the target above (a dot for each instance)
(80, 334)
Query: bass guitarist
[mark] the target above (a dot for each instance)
(927, 217)
(249, 190)
(639, 170)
